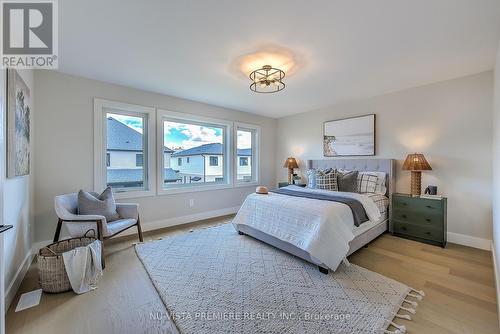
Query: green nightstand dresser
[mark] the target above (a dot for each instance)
(419, 219)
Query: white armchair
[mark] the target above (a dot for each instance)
(66, 207)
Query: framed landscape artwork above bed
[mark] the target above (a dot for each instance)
(354, 136)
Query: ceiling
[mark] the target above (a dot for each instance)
(342, 50)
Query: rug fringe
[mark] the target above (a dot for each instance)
(420, 292)
(401, 328)
(414, 304)
(411, 310)
(402, 316)
(419, 297)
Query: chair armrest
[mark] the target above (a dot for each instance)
(128, 210)
(82, 218)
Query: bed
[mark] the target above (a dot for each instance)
(361, 235)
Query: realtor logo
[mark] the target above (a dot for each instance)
(29, 34)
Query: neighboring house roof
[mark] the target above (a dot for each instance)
(123, 138)
(207, 149)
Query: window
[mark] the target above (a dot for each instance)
(139, 160)
(246, 153)
(214, 161)
(127, 134)
(205, 143)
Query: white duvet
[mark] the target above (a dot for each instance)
(321, 228)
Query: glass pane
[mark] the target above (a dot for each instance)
(193, 154)
(244, 157)
(125, 152)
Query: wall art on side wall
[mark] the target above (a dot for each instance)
(353, 136)
(18, 125)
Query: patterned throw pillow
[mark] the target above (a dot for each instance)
(381, 176)
(327, 181)
(367, 183)
(312, 174)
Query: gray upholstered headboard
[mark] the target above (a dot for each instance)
(363, 165)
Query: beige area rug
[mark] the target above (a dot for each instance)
(216, 281)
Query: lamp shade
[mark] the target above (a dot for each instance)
(416, 161)
(290, 163)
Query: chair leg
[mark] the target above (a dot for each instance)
(139, 230)
(101, 238)
(58, 230)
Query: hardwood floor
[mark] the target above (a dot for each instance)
(458, 282)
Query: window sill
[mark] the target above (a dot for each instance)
(133, 194)
(192, 189)
(246, 184)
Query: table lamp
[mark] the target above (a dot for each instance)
(291, 164)
(416, 163)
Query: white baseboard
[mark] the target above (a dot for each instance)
(15, 283)
(497, 277)
(467, 240)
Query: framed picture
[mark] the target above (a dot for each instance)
(354, 136)
(18, 125)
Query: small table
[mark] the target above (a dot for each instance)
(284, 184)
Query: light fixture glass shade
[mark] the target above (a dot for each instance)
(416, 161)
(267, 80)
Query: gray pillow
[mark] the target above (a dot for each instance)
(93, 204)
(348, 181)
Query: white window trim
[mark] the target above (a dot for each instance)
(229, 163)
(255, 154)
(100, 148)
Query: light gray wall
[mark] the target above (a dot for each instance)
(450, 122)
(18, 211)
(496, 169)
(64, 140)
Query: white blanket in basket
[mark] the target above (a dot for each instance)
(83, 266)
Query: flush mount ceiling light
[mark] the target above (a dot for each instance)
(267, 80)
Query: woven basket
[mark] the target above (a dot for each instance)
(52, 274)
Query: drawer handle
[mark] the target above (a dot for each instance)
(429, 206)
(428, 233)
(427, 219)
(403, 203)
(403, 228)
(403, 216)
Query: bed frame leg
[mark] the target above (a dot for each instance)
(241, 233)
(323, 270)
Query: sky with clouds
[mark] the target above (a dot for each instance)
(187, 135)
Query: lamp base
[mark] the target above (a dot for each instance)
(290, 173)
(416, 183)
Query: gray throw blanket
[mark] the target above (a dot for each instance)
(358, 211)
